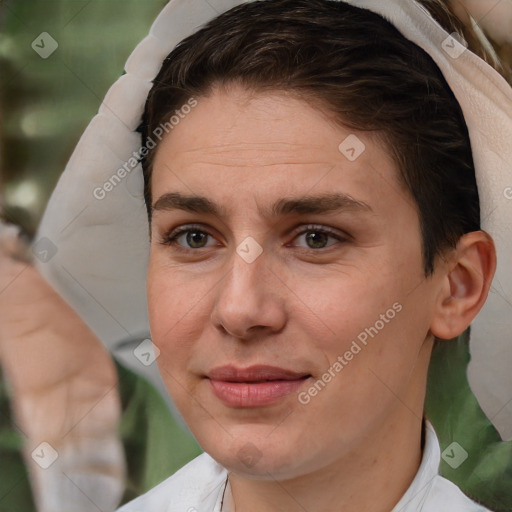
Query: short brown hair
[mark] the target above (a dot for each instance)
(358, 68)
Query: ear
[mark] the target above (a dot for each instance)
(466, 278)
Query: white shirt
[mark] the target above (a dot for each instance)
(199, 486)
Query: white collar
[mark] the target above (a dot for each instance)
(428, 492)
(201, 485)
(415, 496)
(417, 493)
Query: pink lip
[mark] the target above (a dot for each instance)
(254, 386)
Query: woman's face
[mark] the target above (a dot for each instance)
(300, 251)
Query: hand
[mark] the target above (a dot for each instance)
(64, 384)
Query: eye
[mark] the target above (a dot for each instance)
(187, 237)
(193, 237)
(316, 237)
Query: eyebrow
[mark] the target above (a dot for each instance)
(326, 203)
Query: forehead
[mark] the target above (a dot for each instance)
(251, 144)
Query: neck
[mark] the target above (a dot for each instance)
(373, 482)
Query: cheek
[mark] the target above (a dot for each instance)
(171, 307)
(371, 319)
(337, 308)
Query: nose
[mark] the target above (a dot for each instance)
(250, 299)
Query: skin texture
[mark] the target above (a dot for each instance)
(356, 444)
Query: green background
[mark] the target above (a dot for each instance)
(45, 104)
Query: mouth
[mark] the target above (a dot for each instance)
(255, 386)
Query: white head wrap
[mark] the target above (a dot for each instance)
(93, 242)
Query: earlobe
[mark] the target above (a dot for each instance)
(466, 282)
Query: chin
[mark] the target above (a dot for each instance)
(254, 455)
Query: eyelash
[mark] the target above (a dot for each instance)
(170, 239)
